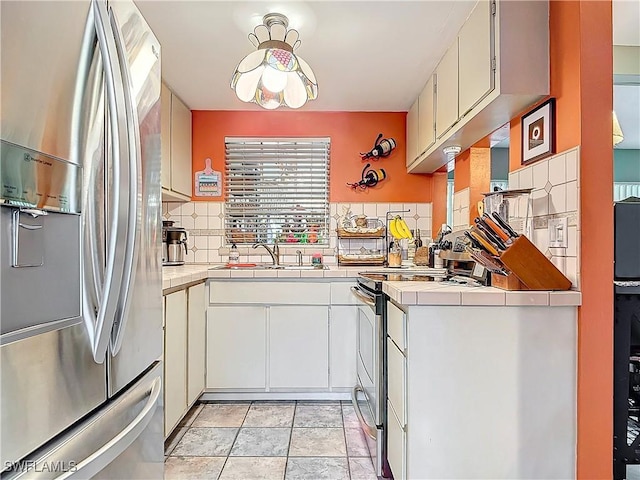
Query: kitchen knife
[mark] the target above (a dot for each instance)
(483, 258)
(486, 245)
(505, 225)
(489, 233)
(504, 236)
(474, 242)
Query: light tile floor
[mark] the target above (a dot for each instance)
(269, 440)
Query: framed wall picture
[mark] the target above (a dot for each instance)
(538, 132)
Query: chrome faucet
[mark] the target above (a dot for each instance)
(299, 254)
(275, 252)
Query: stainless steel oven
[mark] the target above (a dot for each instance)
(370, 393)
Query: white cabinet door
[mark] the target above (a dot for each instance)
(412, 133)
(343, 326)
(196, 343)
(447, 91)
(426, 120)
(476, 74)
(236, 347)
(175, 359)
(180, 147)
(165, 137)
(298, 347)
(396, 446)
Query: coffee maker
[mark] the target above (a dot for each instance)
(174, 244)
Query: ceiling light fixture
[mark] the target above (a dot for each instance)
(273, 75)
(617, 131)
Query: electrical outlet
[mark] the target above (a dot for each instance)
(558, 232)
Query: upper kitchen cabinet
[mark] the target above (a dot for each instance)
(176, 148)
(496, 68)
(475, 57)
(447, 91)
(412, 133)
(426, 117)
(421, 131)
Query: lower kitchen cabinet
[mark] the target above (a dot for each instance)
(184, 352)
(175, 359)
(396, 445)
(280, 336)
(342, 325)
(236, 347)
(196, 344)
(299, 347)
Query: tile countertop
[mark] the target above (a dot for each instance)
(404, 293)
(440, 293)
(183, 274)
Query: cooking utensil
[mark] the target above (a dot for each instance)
(484, 243)
(490, 234)
(504, 236)
(505, 225)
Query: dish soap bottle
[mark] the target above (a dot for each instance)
(233, 255)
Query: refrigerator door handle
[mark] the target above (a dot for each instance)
(101, 326)
(98, 460)
(134, 167)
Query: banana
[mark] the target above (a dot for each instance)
(402, 228)
(393, 228)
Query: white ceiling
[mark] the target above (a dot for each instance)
(626, 18)
(366, 55)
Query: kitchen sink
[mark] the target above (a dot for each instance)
(297, 267)
(262, 266)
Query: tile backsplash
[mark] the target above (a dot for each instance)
(204, 222)
(461, 203)
(556, 194)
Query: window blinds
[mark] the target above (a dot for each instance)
(277, 188)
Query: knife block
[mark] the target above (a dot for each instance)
(509, 282)
(532, 267)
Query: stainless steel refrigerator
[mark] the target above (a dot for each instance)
(80, 259)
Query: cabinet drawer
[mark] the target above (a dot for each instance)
(270, 293)
(396, 380)
(395, 325)
(341, 294)
(396, 447)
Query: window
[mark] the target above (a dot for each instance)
(277, 189)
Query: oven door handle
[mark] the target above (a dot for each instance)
(362, 297)
(368, 429)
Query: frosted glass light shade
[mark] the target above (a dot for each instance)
(294, 79)
(273, 75)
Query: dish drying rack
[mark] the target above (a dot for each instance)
(351, 249)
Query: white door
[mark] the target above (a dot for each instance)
(180, 147)
(236, 347)
(299, 347)
(476, 75)
(412, 133)
(447, 91)
(175, 359)
(196, 343)
(343, 346)
(426, 120)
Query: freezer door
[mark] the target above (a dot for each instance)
(124, 439)
(48, 382)
(136, 339)
(40, 45)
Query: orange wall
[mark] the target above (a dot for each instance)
(439, 205)
(350, 132)
(462, 171)
(581, 67)
(473, 171)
